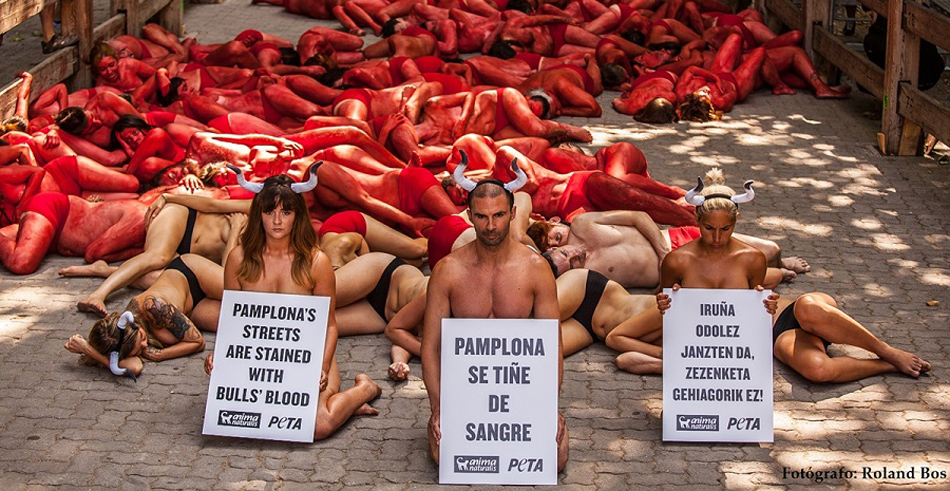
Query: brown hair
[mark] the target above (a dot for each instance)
(303, 238)
(696, 108)
(538, 232)
(100, 51)
(104, 338)
(657, 111)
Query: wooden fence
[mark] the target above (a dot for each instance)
(906, 110)
(72, 64)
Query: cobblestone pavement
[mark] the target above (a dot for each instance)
(874, 229)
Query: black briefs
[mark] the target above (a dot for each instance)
(596, 283)
(786, 322)
(184, 247)
(197, 294)
(377, 297)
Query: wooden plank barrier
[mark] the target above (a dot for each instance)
(906, 110)
(72, 64)
(14, 12)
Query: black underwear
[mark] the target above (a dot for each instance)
(786, 322)
(596, 283)
(377, 297)
(184, 247)
(197, 294)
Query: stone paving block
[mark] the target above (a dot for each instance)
(827, 194)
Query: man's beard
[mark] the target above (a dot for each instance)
(500, 236)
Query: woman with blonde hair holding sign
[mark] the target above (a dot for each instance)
(802, 329)
(278, 239)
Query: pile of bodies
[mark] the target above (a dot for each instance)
(136, 168)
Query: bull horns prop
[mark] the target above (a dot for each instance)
(298, 187)
(469, 185)
(694, 198)
(125, 320)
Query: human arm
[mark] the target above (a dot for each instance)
(399, 328)
(625, 218)
(671, 276)
(88, 149)
(624, 337)
(172, 328)
(438, 307)
(77, 344)
(23, 96)
(546, 305)
(237, 221)
(326, 287)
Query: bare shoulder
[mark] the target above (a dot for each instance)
(750, 255)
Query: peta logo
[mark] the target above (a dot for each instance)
(239, 419)
(697, 422)
(526, 465)
(744, 424)
(476, 464)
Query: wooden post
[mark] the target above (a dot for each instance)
(816, 13)
(901, 64)
(133, 25)
(77, 20)
(170, 17)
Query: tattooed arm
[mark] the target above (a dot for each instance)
(172, 328)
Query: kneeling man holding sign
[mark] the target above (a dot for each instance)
(510, 431)
(269, 330)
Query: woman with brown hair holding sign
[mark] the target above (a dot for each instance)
(279, 238)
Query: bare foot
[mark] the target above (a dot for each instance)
(366, 410)
(783, 90)
(843, 88)
(93, 307)
(358, 32)
(908, 363)
(415, 160)
(99, 269)
(398, 371)
(829, 93)
(788, 275)
(796, 264)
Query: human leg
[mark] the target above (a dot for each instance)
(165, 234)
(640, 339)
(357, 319)
(819, 316)
(335, 408)
(382, 238)
(609, 193)
(33, 237)
(574, 337)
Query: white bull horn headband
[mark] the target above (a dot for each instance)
(297, 187)
(694, 198)
(469, 185)
(125, 320)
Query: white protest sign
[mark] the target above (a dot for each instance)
(499, 396)
(717, 366)
(268, 354)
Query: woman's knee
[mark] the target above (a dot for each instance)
(812, 308)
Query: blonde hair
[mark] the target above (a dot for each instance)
(716, 184)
